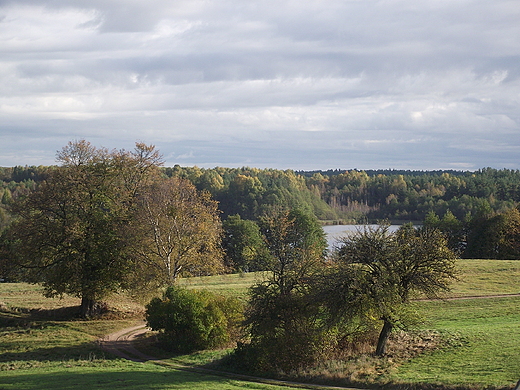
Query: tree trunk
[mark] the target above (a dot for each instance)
(90, 307)
(383, 338)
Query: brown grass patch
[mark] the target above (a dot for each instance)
(356, 364)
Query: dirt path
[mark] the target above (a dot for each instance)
(121, 343)
(470, 297)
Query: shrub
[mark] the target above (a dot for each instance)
(285, 331)
(191, 320)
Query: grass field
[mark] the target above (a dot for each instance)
(484, 342)
(487, 277)
(119, 375)
(63, 355)
(485, 333)
(40, 351)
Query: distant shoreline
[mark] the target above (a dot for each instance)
(368, 222)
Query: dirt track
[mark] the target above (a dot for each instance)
(121, 343)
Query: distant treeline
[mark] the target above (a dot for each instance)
(460, 203)
(355, 195)
(411, 195)
(252, 192)
(385, 172)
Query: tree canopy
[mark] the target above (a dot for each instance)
(71, 232)
(390, 269)
(243, 244)
(178, 232)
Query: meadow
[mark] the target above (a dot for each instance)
(41, 348)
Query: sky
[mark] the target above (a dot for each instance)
(285, 84)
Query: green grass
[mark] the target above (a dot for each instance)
(483, 343)
(487, 277)
(63, 354)
(40, 351)
(118, 374)
(477, 277)
(232, 284)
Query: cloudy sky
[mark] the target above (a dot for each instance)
(312, 84)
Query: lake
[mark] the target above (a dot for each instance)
(334, 232)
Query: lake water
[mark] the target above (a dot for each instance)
(334, 232)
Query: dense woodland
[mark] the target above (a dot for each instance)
(346, 196)
(355, 196)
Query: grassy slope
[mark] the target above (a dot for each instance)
(60, 354)
(118, 375)
(485, 333)
(477, 277)
(233, 284)
(487, 277)
(485, 339)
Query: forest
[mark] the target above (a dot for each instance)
(353, 196)
(460, 198)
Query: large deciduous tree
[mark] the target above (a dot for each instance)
(71, 233)
(390, 269)
(179, 232)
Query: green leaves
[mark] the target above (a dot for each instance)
(193, 320)
(72, 232)
(389, 269)
(284, 324)
(243, 244)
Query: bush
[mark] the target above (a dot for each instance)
(286, 333)
(191, 320)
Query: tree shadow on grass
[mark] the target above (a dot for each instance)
(146, 376)
(24, 352)
(23, 317)
(24, 339)
(18, 316)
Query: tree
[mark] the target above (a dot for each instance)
(179, 232)
(71, 232)
(296, 245)
(454, 229)
(190, 320)
(282, 322)
(511, 242)
(391, 268)
(4, 219)
(495, 237)
(243, 244)
(7, 197)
